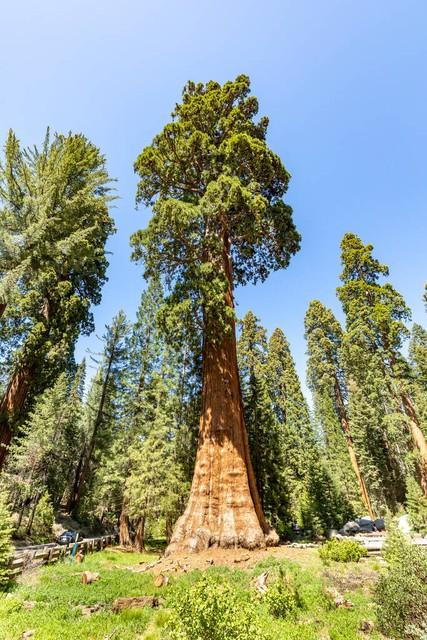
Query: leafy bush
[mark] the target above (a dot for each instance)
(282, 598)
(213, 610)
(5, 544)
(43, 520)
(417, 506)
(342, 550)
(401, 593)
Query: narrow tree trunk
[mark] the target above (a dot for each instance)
(32, 514)
(10, 406)
(418, 438)
(224, 509)
(72, 500)
(2, 308)
(85, 461)
(351, 450)
(124, 534)
(21, 515)
(139, 534)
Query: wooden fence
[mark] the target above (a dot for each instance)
(27, 558)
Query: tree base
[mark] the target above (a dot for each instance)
(188, 540)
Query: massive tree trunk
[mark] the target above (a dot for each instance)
(10, 406)
(224, 509)
(351, 450)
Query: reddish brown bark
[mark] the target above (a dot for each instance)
(10, 406)
(345, 425)
(224, 508)
(124, 533)
(139, 534)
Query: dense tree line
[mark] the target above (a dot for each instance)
(175, 419)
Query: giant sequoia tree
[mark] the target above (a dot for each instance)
(219, 220)
(54, 223)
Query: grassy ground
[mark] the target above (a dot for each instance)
(50, 601)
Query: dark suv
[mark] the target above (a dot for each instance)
(68, 537)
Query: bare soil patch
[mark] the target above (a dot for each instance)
(234, 558)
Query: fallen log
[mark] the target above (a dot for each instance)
(135, 602)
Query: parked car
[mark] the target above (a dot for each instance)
(68, 537)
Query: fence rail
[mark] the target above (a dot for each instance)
(28, 558)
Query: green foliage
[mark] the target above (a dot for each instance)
(327, 381)
(416, 504)
(212, 610)
(144, 449)
(283, 598)
(43, 520)
(377, 372)
(264, 430)
(401, 593)
(58, 611)
(6, 548)
(54, 223)
(44, 456)
(342, 550)
(156, 488)
(217, 191)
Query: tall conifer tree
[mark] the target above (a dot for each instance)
(377, 372)
(264, 431)
(327, 381)
(219, 220)
(54, 224)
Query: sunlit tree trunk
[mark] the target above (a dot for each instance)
(139, 534)
(351, 450)
(10, 406)
(224, 509)
(418, 438)
(124, 533)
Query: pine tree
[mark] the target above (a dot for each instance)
(316, 503)
(263, 428)
(416, 503)
(219, 220)
(41, 520)
(377, 372)
(418, 354)
(103, 411)
(418, 361)
(156, 489)
(54, 224)
(43, 457)
(326, 379)
(6, 548)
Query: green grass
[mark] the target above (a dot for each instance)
(57, 592)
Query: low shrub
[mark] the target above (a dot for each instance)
(342, 550)
(401, 593)
(283, 599)
(5, 540)
(211, 609)
(43, 520)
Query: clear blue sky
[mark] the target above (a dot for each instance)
(343, 82)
